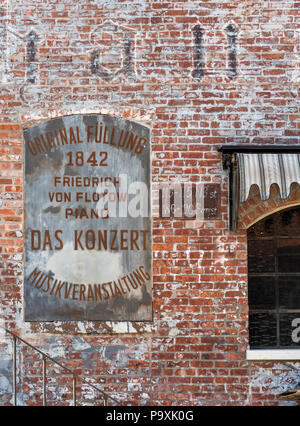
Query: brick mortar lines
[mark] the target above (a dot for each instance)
(257, 95)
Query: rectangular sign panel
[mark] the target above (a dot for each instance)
(88, 252)
(179, 200)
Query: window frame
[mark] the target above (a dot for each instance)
(273, 352)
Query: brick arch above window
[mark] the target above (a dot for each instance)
(255, 209)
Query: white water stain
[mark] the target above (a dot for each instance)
(85, 267)
(278, 379)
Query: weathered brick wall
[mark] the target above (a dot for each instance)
(201, 74)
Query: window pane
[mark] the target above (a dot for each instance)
(290, 330)
(289, 293)
(288, 245)
(262, 293)
(261, 246)
(261, 264)
(290, 263)
(288, 222)
(262, 330)
(263, 228)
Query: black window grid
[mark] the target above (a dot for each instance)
(276, 275)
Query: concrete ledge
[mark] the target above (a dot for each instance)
(273, 354)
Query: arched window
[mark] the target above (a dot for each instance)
(274, 281)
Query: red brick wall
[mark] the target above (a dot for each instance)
(194, 351)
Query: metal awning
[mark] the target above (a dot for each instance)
(261, 165)
(265, 169)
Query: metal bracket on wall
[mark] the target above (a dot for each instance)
(229, 163)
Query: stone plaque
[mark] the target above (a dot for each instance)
(87, 218)
(190, 201)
